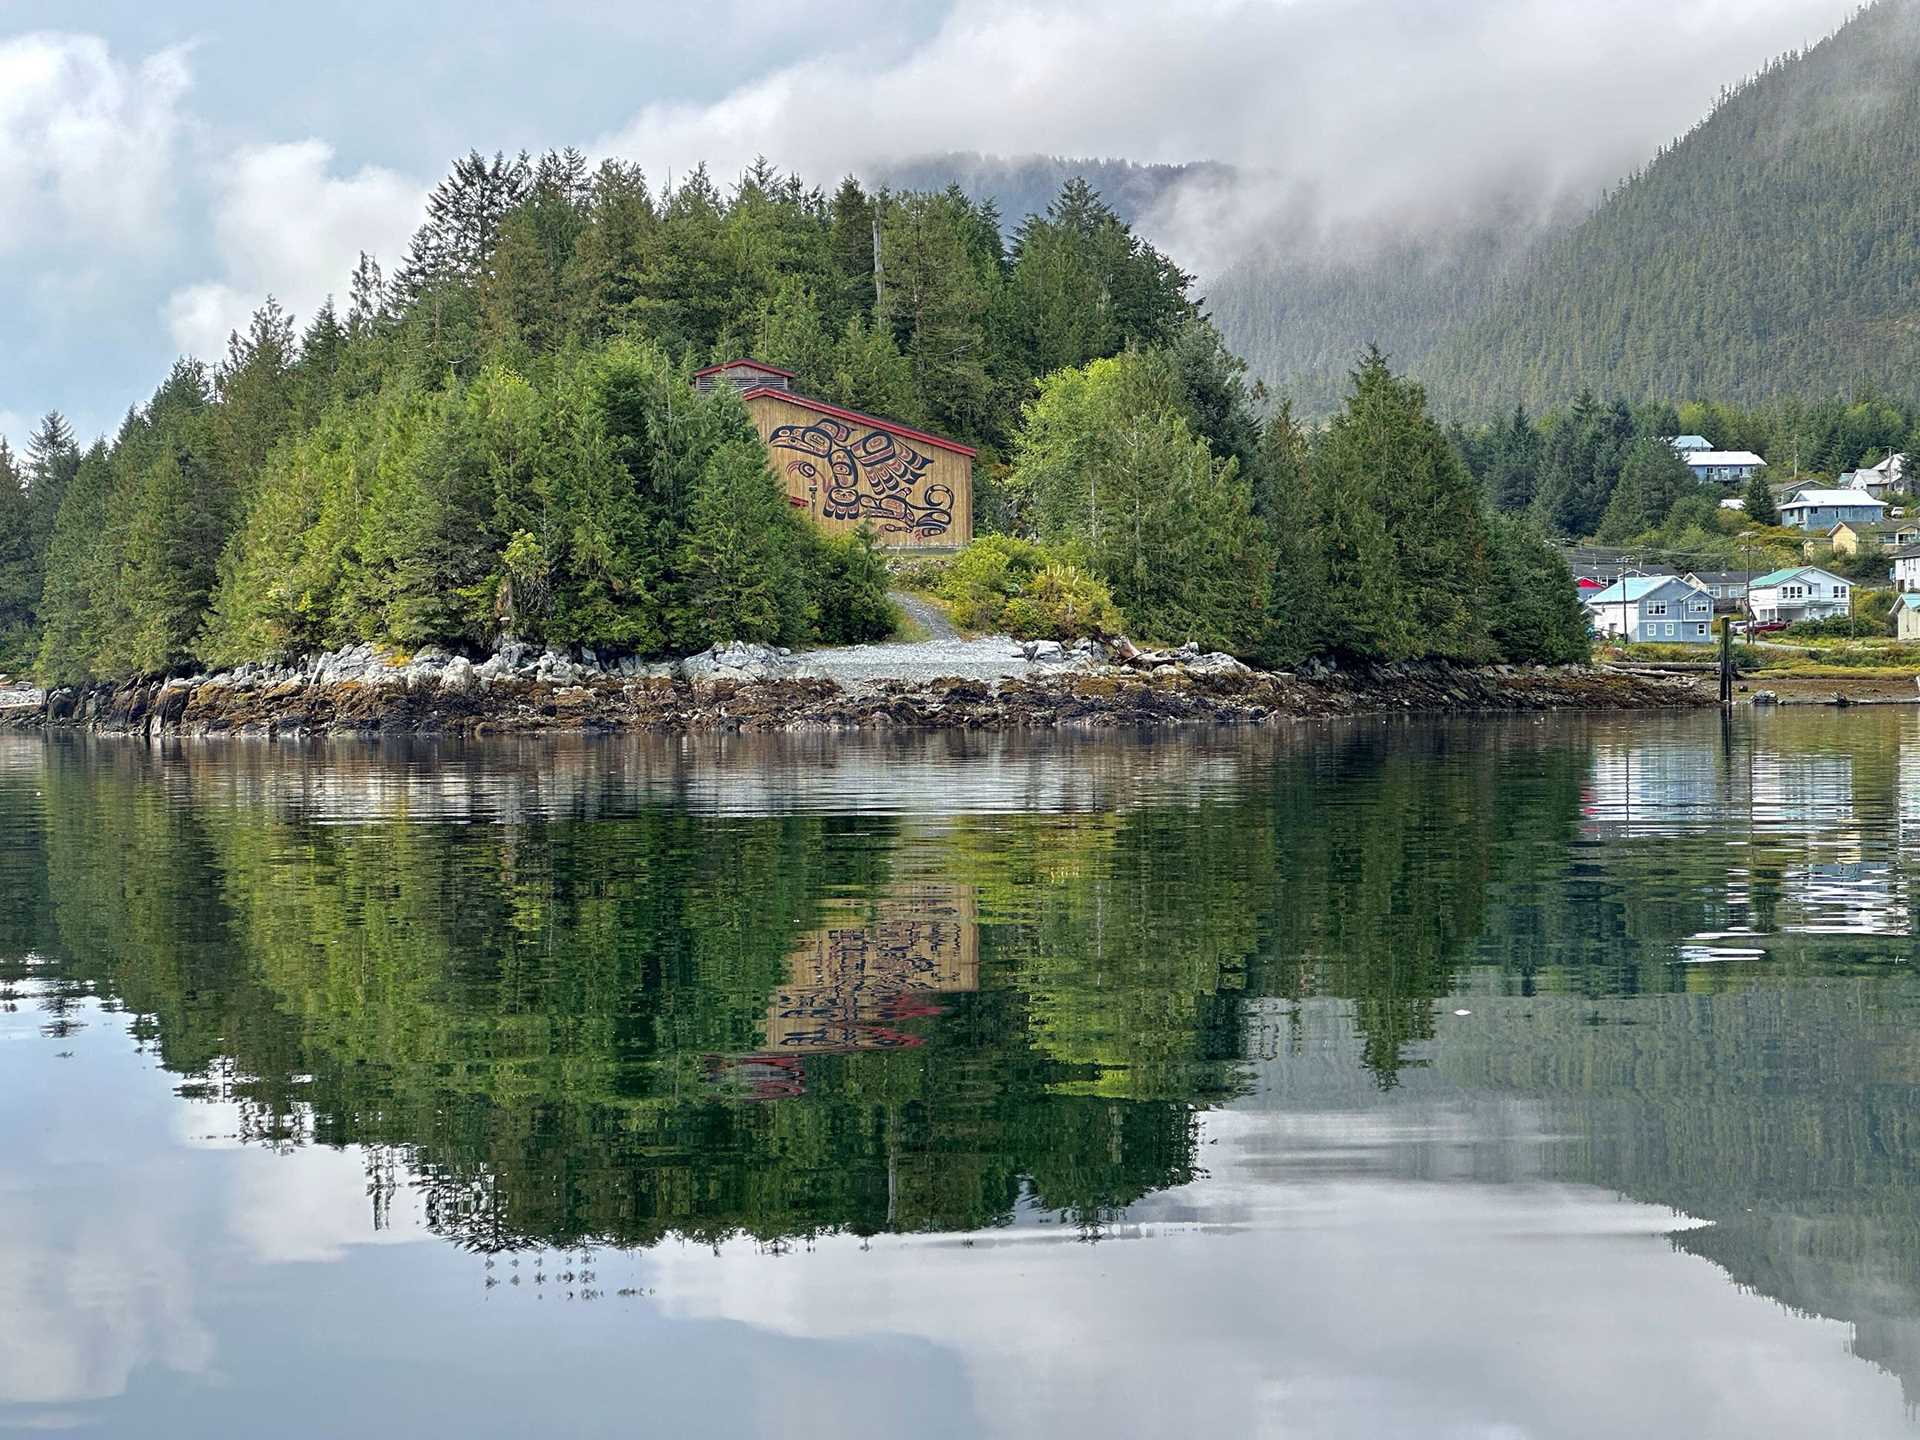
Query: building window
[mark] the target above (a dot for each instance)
(1700, 607)
(1699, 629)
(1669, 627)
(1657, 607)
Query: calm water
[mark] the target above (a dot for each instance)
(1500, 1078)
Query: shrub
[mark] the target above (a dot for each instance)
(1003, 583)
(1062, 602)
(849, 581)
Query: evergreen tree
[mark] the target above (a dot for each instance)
(1653, 479)
(1760, 507)
(53, 457)
(1537, 617)
(738, 564)
(1513, 470)
(19, 572)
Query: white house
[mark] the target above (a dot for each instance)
(1653, 608)
(1823, 509)
(1906, 568)
(1877, 480)
(1726, 466)
(1804, 592)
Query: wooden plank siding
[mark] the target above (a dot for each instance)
(844, 469)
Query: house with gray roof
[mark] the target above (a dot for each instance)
(1821, 510)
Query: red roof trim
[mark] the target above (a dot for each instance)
(751, 364)
(891, 427)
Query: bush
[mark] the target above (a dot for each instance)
(1002, 583)
(1062, 602)
(849, 580)
(1837, 627)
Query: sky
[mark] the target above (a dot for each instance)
(163, 168)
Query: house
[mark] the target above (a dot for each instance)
(1803, 592)
(1652, 608)
(1847, 537)
(1906, 616)
(1689, 444)
(1889, 474)
(1905, 573)
(846, 469)
(1727, 587)
(1729, 467)
(1821, 510)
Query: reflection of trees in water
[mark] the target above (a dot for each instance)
(552, 1024)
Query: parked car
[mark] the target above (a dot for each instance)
(1769, 627)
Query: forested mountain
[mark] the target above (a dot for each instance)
(1298, 311)
(1774, 250)
(1020, 185)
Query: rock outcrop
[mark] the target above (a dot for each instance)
(996, 684)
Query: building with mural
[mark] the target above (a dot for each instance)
(914, 490)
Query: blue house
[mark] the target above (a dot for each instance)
(1821, 510)
(1653, 608)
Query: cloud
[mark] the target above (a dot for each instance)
(87, 143)
(285, 224)
(1345, 109)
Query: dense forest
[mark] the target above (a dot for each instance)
(1606, 471)
(1774, 250)
(503, 439)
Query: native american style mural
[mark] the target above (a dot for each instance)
(876, 477)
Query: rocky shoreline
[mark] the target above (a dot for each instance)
(993, 684)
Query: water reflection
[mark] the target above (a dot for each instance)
(1295, 1012)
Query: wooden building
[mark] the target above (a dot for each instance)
(846, 469)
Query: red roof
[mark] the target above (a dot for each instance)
(749, 364)
(891, 427)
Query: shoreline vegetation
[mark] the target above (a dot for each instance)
(990, 683)
(502, 442)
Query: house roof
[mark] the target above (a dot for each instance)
(1727, 458)
(746, 362)
(1909, 600)
(1633, 589)
(1721, 577)
(1780, 577)
(1688, 443)
(1907, 552)
(892, 427)
(1809, 499)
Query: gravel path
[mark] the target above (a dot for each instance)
(924, 613)
(991, 657)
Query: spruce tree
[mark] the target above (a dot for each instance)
(737, 572)
(1760, 506)
(19, 572)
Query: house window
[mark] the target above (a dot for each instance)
(1699, 629)
(1700, 607)
(1791, 592)
(1657, 607)
(1669, 627)
(1839, 592)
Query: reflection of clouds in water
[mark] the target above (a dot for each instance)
(1336, 1307)
(95, 1276)
(312, 1204)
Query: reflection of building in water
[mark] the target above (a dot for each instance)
(850, 983)
(1653, 789)
(1806, 791)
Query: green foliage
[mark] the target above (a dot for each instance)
(1652, 480)
(1759, 505)
(1107, 461)
(1537, 617)
(503, 440)
(19, 575)
(1002, 583)
(739, 566)
(849, 580)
